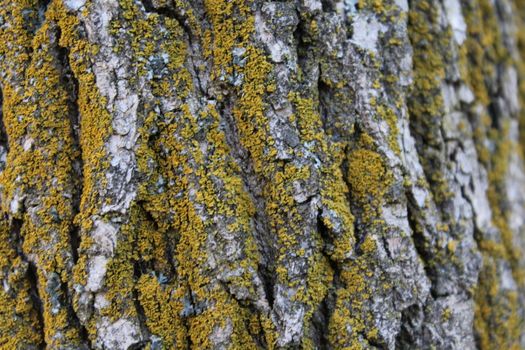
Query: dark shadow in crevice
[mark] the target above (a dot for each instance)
(254, 185)
(171, 11)
(4, 141)
(71, 86)
(303, 43)
(321, 317)
(420, 244)
(31, 274)
(141, 314)
(328, 5)
(411, 321)
(41, 9)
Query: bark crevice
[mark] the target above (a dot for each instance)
(16, 227)
(4, 141)
(254, 186)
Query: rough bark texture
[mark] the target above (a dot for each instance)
(245, 174)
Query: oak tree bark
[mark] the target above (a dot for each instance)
(245, 174)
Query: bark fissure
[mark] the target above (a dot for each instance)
(254, 185)
(15, 227)
(4, 142)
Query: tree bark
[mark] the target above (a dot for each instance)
(245, 174)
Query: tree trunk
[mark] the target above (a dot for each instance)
(245, 174)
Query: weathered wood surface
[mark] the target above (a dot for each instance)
(242, 174)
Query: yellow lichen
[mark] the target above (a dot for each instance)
(349, 318)
(42, 153)
(368, 178)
